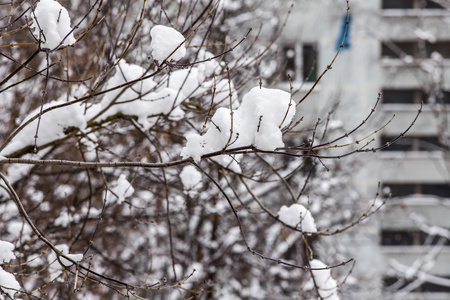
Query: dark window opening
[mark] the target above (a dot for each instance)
(403, 96)
(410, 4)
(442, 97)
(413, 143)
(390, 282)
(398, 238)
(410, 238)
(299, 62)
(397, 4)
(428, 287)
(310, 62)
(400, 49)
(414, 96)
(407, 189)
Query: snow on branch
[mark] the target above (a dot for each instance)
(52, 25)
(255, 123)
(167, 43)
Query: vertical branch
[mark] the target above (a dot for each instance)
(290, 101)
(231, 107)
(208, 116)
(44, 91)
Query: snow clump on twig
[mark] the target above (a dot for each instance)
(164, 41)
(297, 215)
(51, 23)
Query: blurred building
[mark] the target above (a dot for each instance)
(400, 48)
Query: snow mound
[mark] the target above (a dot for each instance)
(122, 189)
(57, 267)
(191, 179)
(52, 126)
(8, 282)
(143, 99)
(323, 280)
(6, 252)
(164, 41)
(51, 23)
(257, 122)
(297, 215)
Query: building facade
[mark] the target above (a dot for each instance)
(401, 49)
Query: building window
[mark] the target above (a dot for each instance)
(407, 189)
(299, 62)
(403, 96)
(390, 282)
(399, 238)
(309, 67)
(397, 49)
(412, 143)
(413, 96)
(410, 238)
(410, 4)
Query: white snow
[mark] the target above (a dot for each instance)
(256, 122)
(122, 189)
(191, 179)
(51, 127)
(55, 267)
(8, 282)
(164, 41)
(54, 22)
(297, 215)
(327, 286)
(143, 99)
(65, 218)
(6, 252)
(188, 81)
(425, 35)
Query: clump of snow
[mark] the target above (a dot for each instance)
(65, 218)
(191, 179)
(63, 191)
(6, 252)
(51, 127)
(121, 189)
(408, 59)
(18, 229)
(56, 267)
(164, 41)
(425, 35)
(327, 286)
(297, 215)
(256, 122)
(143, 99)
(51, 23)
(8, 282)
(209, 67)
(188, 81)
